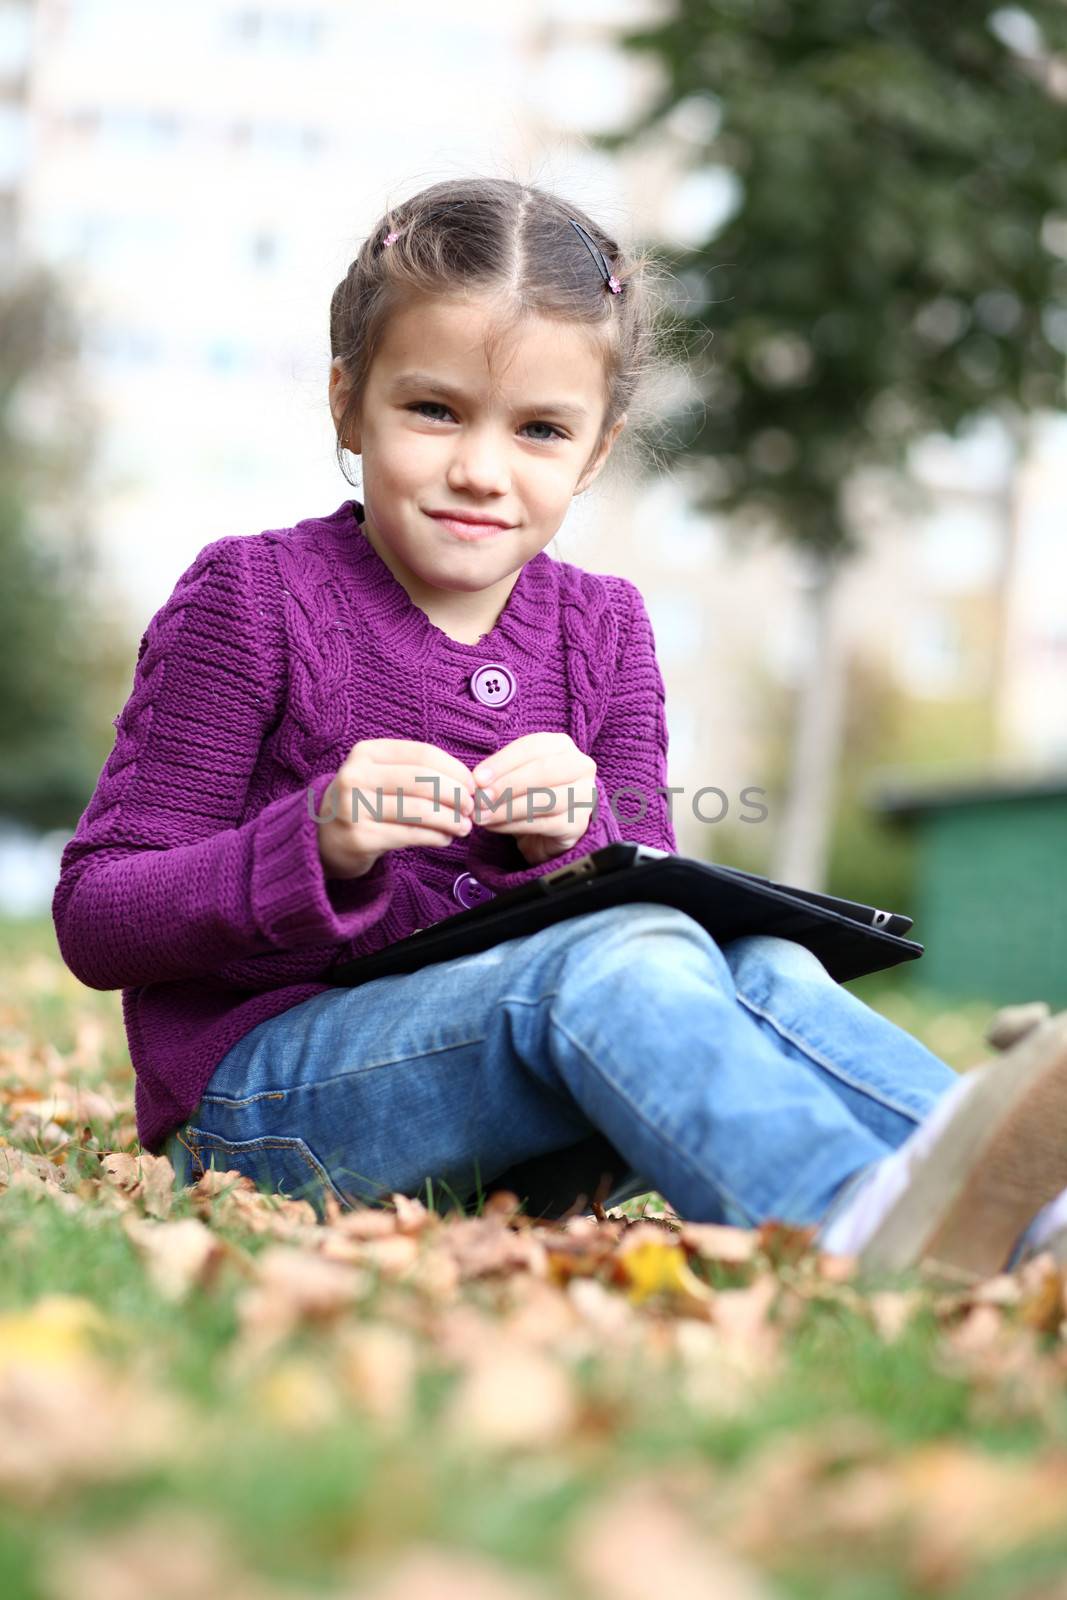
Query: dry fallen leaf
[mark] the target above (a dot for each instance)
(513, 1398)
(378, 1365)
(800, 1495)
(231, 1199)
(742, 1318)
(785, 1244)
(87, 1422)
(65, 1104)
(714, 1242)
(292, 1287)
(182, 1255)
(981, 1329)
(124, 1563)
(362, 1222)
(967, 1506)
(141, 1180)
(411, 1215)
(580, 1248)
(429, 1572)
(213, 1183)
(635, 1544)
(16, 1165)
(485, 1246)
(1041, 1303)
(610, 1315)
(892, 1309)
(532, 1311)
(394, 1257)
(718, 1377)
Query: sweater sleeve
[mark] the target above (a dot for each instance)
(630, 751)
(160, 880)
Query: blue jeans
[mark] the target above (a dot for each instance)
(741, 1082)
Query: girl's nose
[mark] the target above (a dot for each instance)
(479, 463)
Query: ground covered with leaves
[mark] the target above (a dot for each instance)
(207, 1391)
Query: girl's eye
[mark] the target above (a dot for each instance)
(436, 405)
(553, 431)
(428, 405)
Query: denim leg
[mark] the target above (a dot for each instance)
(626, 1020)
(885, 1076)
(647, 1034)
(373, 1090)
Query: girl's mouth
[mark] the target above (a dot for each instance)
(469, 530)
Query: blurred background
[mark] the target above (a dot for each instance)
(850, 530)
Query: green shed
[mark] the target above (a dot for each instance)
(991, 883)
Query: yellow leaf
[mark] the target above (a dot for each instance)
(295, 1395)
(53, 1332)
(653, 1267)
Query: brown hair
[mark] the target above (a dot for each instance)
(513, 242)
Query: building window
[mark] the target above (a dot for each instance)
(280, 32)
(264, 249)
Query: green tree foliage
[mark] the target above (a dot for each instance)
(896, 261)
(61, 653)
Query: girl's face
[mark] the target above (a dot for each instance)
(442, 430)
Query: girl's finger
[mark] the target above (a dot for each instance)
(534, 775)
(416, 806)
(545, 799)
(388, 779)
(529, 746)
(419, 811)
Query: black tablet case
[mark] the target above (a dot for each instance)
(727, 905)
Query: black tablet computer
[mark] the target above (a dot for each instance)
(850, 939)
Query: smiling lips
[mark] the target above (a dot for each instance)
(468, 527)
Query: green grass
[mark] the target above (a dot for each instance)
(305, 1507)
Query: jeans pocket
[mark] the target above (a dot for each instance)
(284, 1164)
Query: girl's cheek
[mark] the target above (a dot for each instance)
(415, 449)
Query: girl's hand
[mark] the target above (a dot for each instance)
(539, 821)
(360, 815)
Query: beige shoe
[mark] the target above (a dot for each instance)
(977, 1181)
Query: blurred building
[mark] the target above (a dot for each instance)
(967, 598)
(204, 172)
(16, 30)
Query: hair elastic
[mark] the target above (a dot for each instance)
(594, 249)
(598, 256)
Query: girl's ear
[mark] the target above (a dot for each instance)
(338, 396)
(593, 469)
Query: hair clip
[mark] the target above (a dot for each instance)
(598, 256)
(389, 239)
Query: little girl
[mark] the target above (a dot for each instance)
(345, 730)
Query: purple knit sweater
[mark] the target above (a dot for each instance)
(193, 881)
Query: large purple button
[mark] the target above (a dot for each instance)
(493, 684)
(469, 892)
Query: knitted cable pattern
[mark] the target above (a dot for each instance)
(193, 880)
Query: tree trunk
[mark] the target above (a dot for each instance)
(1020, 430)
(802, 842)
